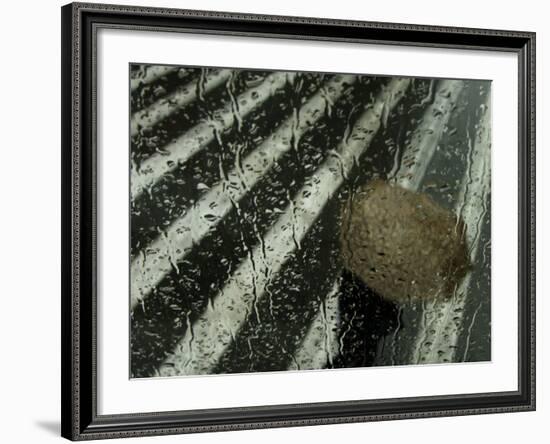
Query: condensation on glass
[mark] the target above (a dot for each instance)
(298, 220)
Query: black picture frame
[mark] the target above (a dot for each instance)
(80, 420)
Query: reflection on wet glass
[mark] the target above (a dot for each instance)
(293, 221)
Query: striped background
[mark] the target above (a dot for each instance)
(237, 179)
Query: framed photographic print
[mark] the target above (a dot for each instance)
(279, 221)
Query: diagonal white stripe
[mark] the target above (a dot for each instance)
(320, 345)
(162, 108)
(198, 137)
(440, 345)
(216, 327)
(148, 269)
(153, 73)
(416, 158)
(425, 138)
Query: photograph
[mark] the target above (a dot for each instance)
(296, 220)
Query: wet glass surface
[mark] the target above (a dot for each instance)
(293, 221)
